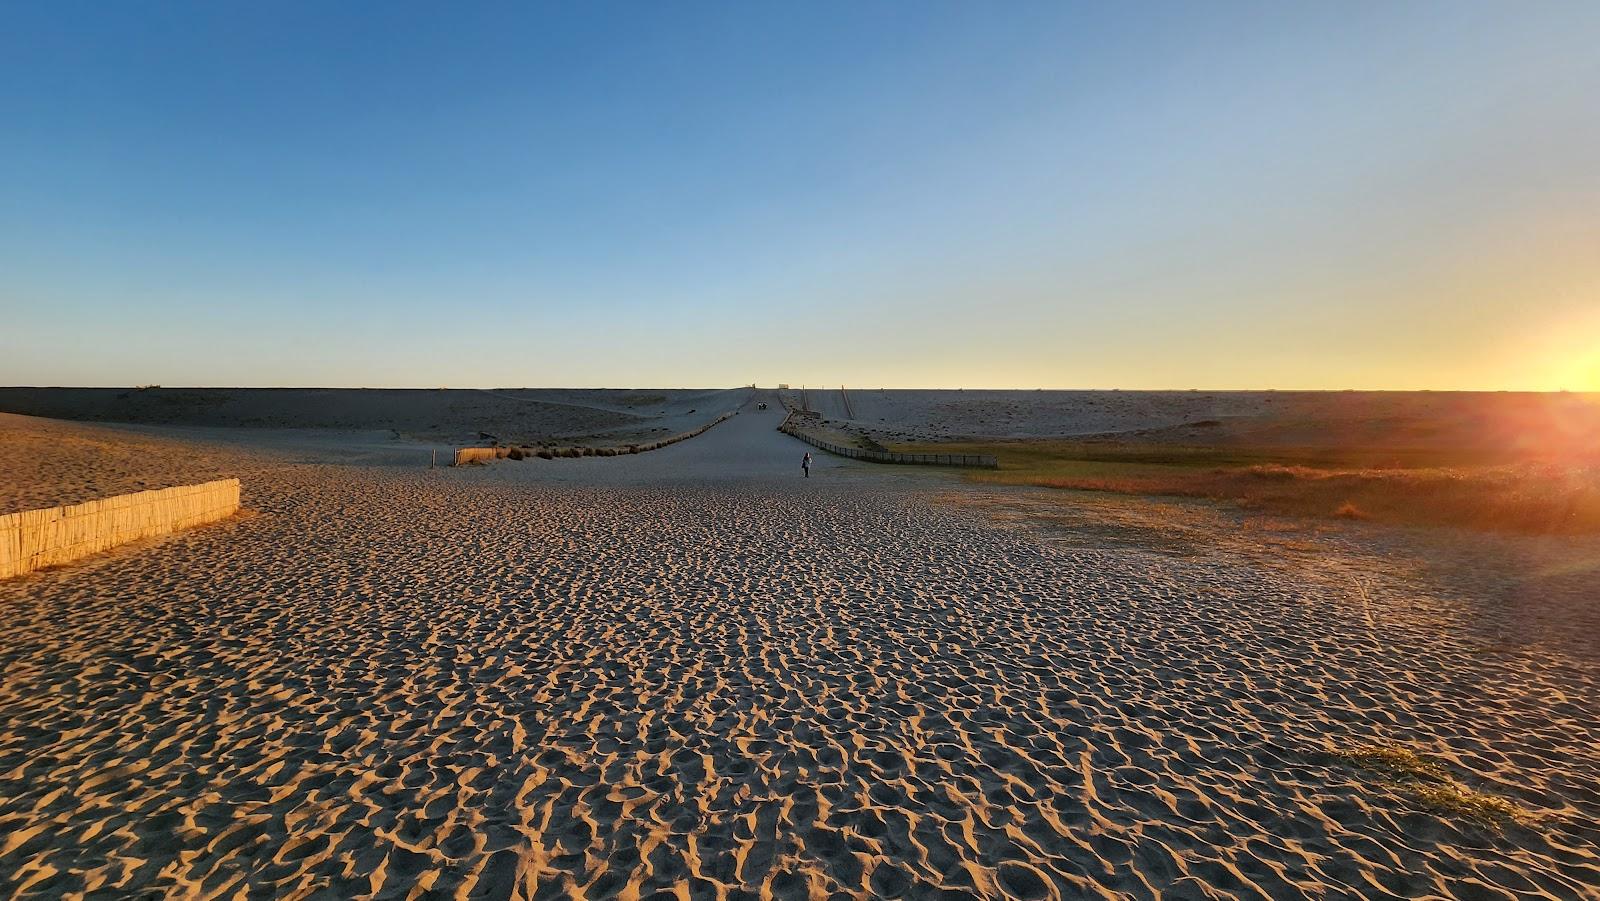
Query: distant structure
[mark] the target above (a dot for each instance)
(783, 386)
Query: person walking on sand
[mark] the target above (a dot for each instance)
(805, 464)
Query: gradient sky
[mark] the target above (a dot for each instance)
(1291, 195)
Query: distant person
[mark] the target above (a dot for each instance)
(805, 464)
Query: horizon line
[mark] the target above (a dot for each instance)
(794, 386)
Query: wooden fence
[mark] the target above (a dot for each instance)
(467, 455)
(983, 461)
(34, 539)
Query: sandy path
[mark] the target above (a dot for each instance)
(692, 672)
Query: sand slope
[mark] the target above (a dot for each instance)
(45, 462)
(516, 415)
(694, 674)
(1508, 421)
(1496, 422)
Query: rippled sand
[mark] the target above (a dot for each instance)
(695, 674)
(45, 462)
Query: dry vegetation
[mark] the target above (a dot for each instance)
(1425, 487)
(1428, 783)
(643, 400)
(843, 437)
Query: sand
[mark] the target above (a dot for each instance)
(1368, 418)
(693, 673)
(44, 462)
(1504, 422)
(460, 417)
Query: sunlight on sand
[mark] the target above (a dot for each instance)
(694, 673)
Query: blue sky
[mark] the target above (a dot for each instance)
(989, 195)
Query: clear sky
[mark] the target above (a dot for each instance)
(1137, 195)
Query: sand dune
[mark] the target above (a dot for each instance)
(694, 674)
(44, 462)
(1457, 420)
(516, 415)
(1504, 423)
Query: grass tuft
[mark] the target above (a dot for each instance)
(1394, 761)
(1348, 510)
(1456, 800)
(1428, 783)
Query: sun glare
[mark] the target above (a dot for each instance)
(1582, 373)
(1566, 357)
